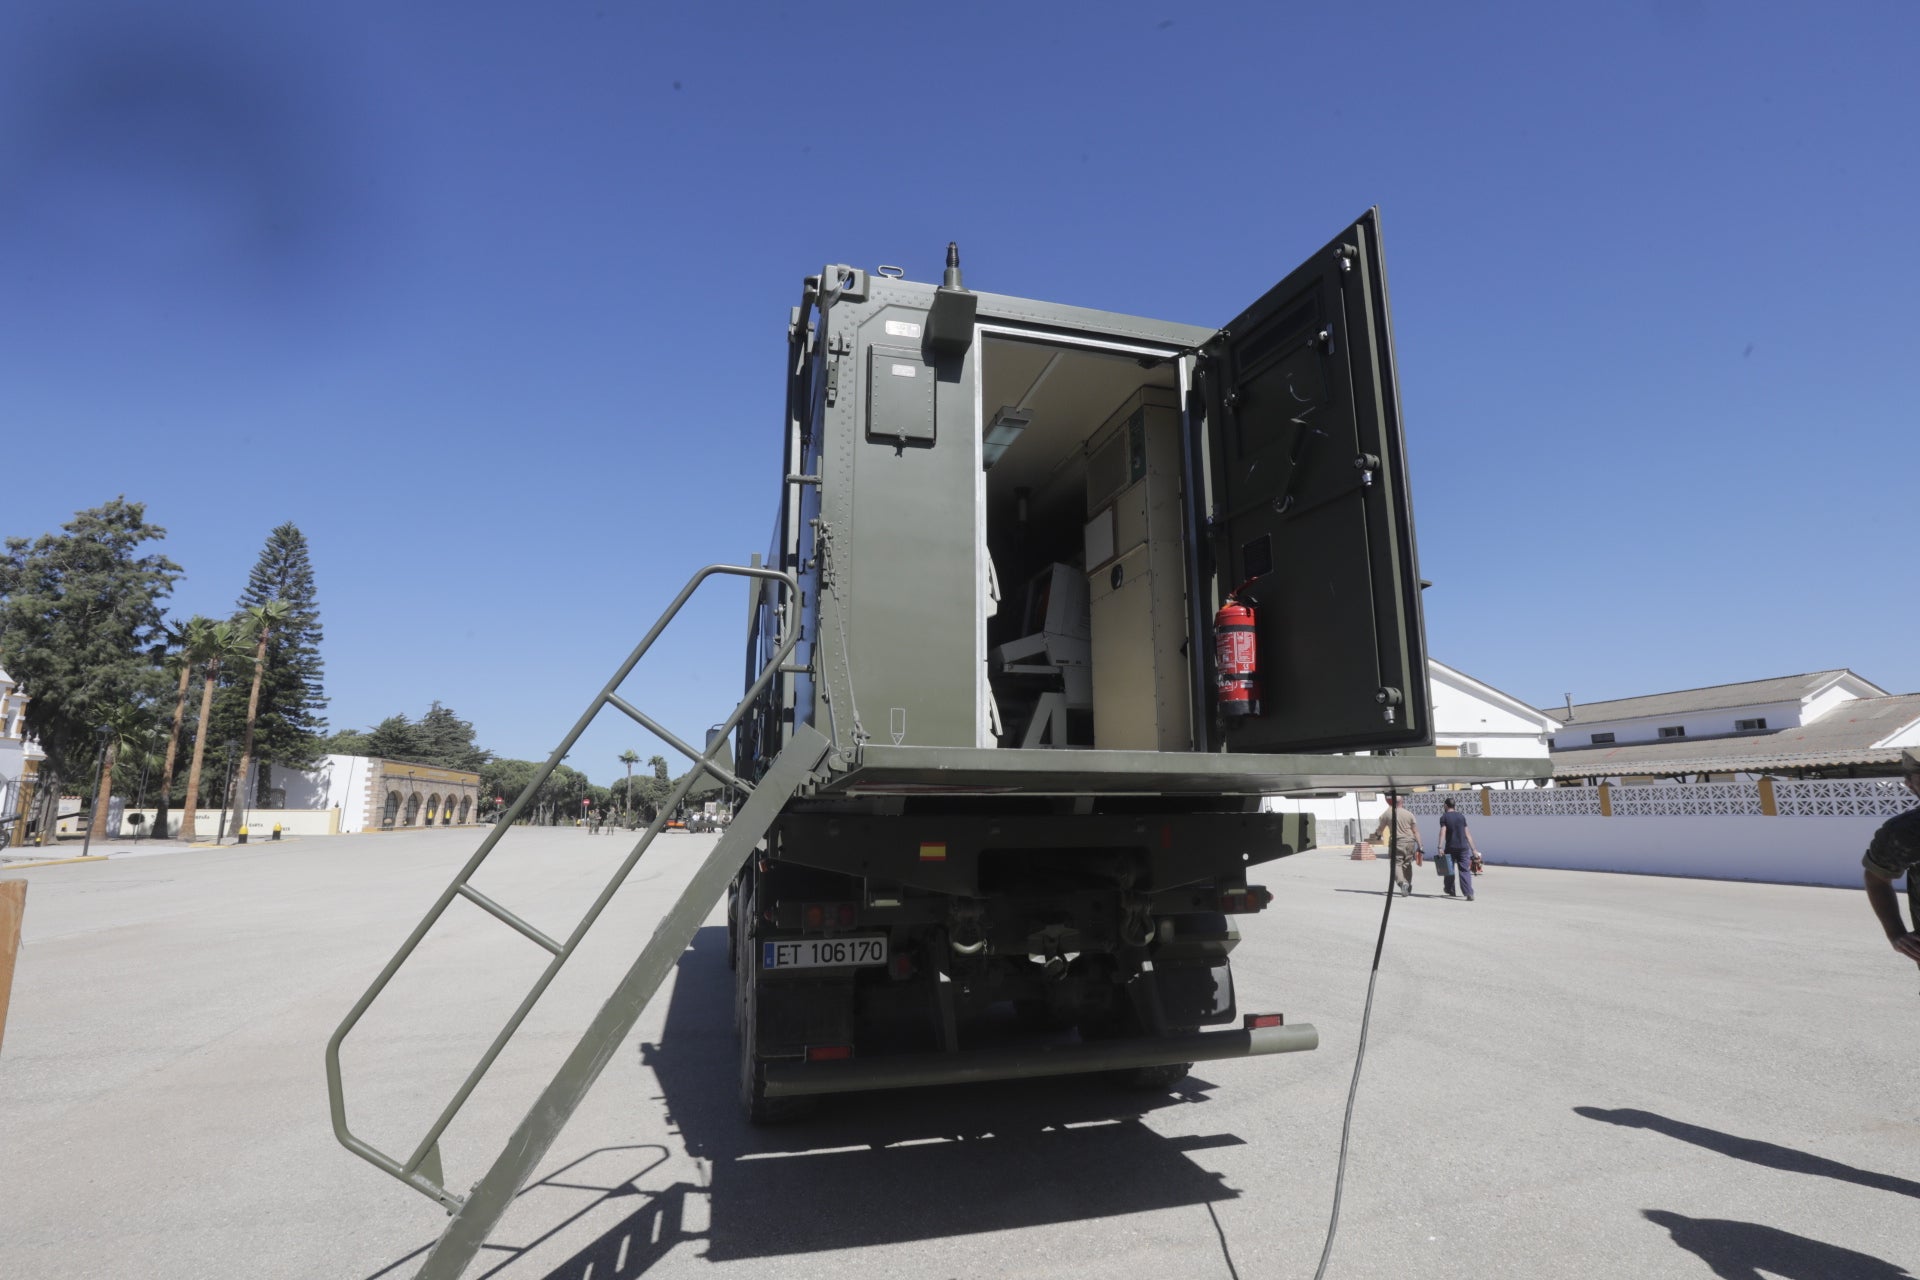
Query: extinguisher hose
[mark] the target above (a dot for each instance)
(1366, 1017)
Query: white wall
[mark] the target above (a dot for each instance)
(1844, 690)
(1907, 737)
(260, 823)
(1462, 713)
(1779, 850)
(304, 788)
(1698, 724)
(336, 782)
(13, 755)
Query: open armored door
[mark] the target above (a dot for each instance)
(1305, 513)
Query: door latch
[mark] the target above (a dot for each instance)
(837, 346)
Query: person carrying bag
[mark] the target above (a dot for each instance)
(1458, 858)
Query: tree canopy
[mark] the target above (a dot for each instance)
(438, 738)
(80, 625)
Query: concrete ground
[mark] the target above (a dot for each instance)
(1579, 1075)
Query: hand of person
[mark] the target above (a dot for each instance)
(1908, 945)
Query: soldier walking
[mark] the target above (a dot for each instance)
(1399, 825)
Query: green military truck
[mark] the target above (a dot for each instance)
(1054, 597)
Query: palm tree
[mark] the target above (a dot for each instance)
(262, 620)
(659, 787)
(219, 641)
(126, 727)
(186, 639)
(629, 758)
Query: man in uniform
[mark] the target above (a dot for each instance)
(1893, 852)
(1399, 824)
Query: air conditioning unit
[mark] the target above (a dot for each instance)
(1469, 748)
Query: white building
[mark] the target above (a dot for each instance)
(1471, 718)
(1748, 708)
(16, 750)
(1826, 724)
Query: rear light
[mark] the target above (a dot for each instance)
(1254, 1021)
(829, 915)
(1241, 901)
(901, 966)
(829, 1052)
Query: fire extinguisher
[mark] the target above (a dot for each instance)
(1236, 668)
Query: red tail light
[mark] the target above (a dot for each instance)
(1254, 1021)
(1241, 901)
(843, 915)
(815, 916)
(829, 1052)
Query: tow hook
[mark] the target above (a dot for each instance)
(964, 933)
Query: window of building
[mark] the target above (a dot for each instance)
(1673, 731)
(1757, 723)
(1602, 739)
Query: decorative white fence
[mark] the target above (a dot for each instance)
(1722, 830)
(1845, 797)
(1691, 800)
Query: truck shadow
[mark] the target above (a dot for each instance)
(891, 1167)
(872, 1169)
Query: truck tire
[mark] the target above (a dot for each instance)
(754, 1102)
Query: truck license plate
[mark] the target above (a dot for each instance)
(824, 953)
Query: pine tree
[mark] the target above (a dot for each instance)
(443, 738)
(291, 724)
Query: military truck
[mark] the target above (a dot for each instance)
(1054, 597)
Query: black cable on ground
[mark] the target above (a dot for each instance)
(1366, 1016)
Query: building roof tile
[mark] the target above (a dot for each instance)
(1843, 736)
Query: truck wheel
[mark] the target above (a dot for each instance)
(733, 934)
(759, 1108)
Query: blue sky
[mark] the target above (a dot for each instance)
(490, 300)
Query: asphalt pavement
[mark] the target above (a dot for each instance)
(1577, 1075)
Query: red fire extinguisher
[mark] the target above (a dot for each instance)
(1236, 669)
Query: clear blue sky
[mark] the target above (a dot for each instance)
(490, 300)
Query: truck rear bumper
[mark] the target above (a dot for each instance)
(791, 1079)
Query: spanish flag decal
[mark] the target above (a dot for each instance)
(933, 852)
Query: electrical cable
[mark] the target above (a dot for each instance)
(1366, 1016)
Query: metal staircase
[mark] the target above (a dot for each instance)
(476, 1214)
